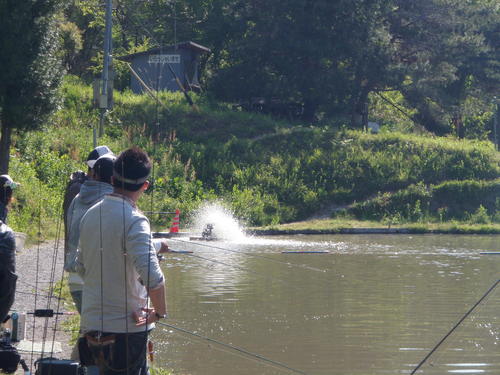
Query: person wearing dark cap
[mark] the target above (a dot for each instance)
(8, 275)
(92, 191)
(121, 273)
(77, 179)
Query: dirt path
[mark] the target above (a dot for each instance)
(35, 264)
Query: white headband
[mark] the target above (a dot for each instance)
(129, 180)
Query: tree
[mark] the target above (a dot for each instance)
(450, 51)
(326, 55)
(30, 72)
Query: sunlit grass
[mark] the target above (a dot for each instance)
(337, 225)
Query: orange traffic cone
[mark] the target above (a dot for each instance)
(175, 223)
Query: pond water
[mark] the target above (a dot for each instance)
(375, 304)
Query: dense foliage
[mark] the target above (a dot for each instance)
(324, 59)
(266, 171)
(470, 200)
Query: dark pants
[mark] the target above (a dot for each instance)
(126, 355)
(7, 292)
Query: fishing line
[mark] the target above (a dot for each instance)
(37, 271)
(247, 270)
(124, 277)
(39, 234)
(156, 132)
(59, 297)
(234, 349)
(51, 288)
(455, 326)
(243, 269)
(253, 255)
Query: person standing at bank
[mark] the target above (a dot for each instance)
(76, 180)
(120, 270)
(93, 190)
(8, 277)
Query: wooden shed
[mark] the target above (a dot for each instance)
(152, 65)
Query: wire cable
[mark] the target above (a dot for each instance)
(455, 326)
(269, 277)
(234, 349)
(252, 255)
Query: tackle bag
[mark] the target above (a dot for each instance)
(54, 366)
(9, 357)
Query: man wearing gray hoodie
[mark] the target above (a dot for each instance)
(92, 191)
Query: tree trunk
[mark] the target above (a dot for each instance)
(359, 112)
(5, 139)
(459, 126)
(310, 108)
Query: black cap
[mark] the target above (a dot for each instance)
(96, 153)
(104, 167)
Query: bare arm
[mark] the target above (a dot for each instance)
(158, 299)
(160, 246)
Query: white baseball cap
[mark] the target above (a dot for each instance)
(96, 153)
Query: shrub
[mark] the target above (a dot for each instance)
(465, 200)
(411, 204)
(480, 216)
(465, 197)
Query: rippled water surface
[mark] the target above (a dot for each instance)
(374, 304)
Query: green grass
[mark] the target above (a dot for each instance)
(336, 225)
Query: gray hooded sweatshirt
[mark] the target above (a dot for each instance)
(118, 263)
(91, 193)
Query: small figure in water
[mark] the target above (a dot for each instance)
(207, 232)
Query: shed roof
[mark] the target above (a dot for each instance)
(185, 45)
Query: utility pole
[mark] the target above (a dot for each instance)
(495, 121)
(104, 101)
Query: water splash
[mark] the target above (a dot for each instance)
(225, 225)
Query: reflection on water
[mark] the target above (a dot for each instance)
(375, 304)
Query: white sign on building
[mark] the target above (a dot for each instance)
(164, 59)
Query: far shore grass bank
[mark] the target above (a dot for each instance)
(336, 226)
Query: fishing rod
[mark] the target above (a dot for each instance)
(455, 326)
(234, 349)
(253, 255)
(237, 267)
